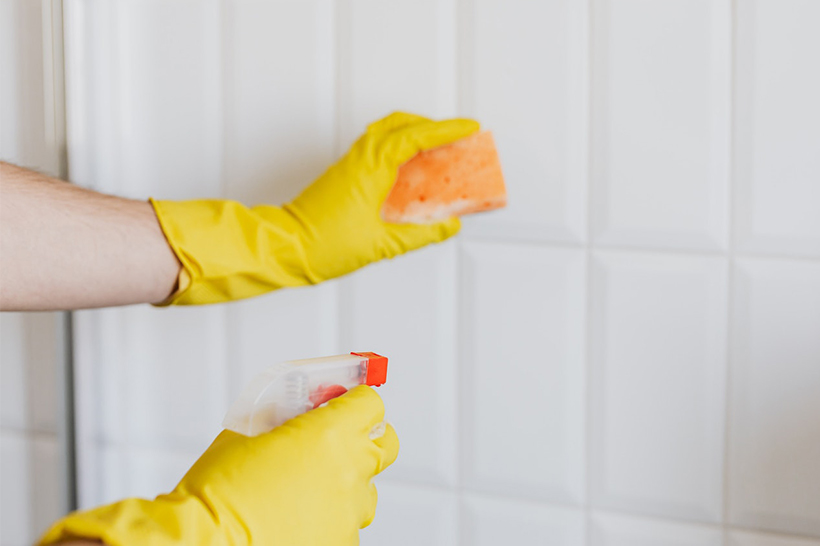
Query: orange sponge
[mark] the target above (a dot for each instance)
(453, 180)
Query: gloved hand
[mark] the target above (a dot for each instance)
(307, 482)
(334, 227)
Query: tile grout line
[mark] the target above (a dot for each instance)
(702, 253)
(226, 98)
(336, 295)
(462, 21)
(609, 511)
(588, 354)
(730, 298)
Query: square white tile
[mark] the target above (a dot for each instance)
(279, 97)
(777, 127)
(395, 55)
(774, 474)
(536, 109)
(523, 370)
(661, 79)
(658, 383)
(165, 78)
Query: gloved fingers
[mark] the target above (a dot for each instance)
(408, 237)
(388, 448)
(394, 121)
(360, 408)
(401, 145)
(370, 505)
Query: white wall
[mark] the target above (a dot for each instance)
(32, 478)
(628, 355)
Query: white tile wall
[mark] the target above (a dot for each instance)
(775, 447)
(150, 470)
(660, 120)
(284, 325)
(394, 55)
(777, 127)
(279, 116)
(658, 383)
(560, 374)
(618, 530)
(168, 56)
(489, 521)
(29, 363)
(410, 515)
(525, 78)
(522, 365)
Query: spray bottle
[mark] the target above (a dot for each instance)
(285, 390)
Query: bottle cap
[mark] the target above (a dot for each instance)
(376, 368)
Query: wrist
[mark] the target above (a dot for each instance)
(230, 252)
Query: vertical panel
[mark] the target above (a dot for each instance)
(778, 127)
(526, 80)
(169, 111)
(774, 474)
(31, 135)
(27, 135)
(661, 122)
(611, 530)
(146, 377)
(409, 516)
(279, 125)
(395, 56)
(404, 309)
(744, 538)
(279, 97)
(489, 522)
(658, 365)
(522, 370)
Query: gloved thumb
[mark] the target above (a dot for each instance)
(412, 236)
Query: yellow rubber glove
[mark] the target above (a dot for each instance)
(229, 251)
(307, 482)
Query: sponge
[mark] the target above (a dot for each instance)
(457, 179)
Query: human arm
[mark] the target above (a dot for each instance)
(66, 247)
(102, 250)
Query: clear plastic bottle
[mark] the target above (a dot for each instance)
(288, 389)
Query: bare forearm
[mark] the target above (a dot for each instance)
(65, 247)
